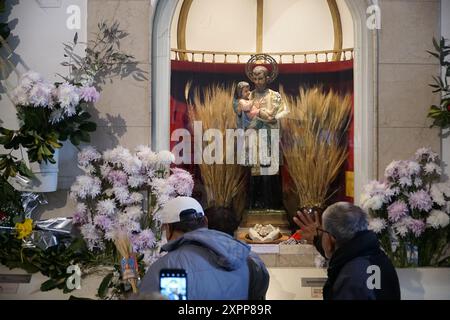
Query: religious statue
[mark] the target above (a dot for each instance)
(260, 109)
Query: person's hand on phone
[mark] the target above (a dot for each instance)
(308, 225)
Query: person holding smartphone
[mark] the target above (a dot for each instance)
(215, 265)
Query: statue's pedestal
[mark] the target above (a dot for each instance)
(277, 218)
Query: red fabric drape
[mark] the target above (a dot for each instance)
(330, 75)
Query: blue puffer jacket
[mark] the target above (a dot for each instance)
(217, 267)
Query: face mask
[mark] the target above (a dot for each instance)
(164, 236)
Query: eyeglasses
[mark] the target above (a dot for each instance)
(323, 231)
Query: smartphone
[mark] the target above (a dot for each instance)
(173, 284)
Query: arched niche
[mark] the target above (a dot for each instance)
(365, 86)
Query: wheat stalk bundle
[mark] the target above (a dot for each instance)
(123, 246)
(314, 142)
(213, 106)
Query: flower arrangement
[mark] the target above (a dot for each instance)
(441, 113)
(410, 210)
(110, 202)
(51, 113)
(44, 110)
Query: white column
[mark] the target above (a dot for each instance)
(445, 32)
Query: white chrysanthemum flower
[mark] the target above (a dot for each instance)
(40, 95)
(432, 167)
(438, 219)
(162, 189)
(391, 169)
(68, 97)
(135, 181)
(437, 195)
(146, 155)
(445, 188)
(134, 212)
(418, 182)
(86, 186)
(87, 155)
(132, 165)
(19, 96)
(92, 236)
(118, 155)
(375, 202)
(166, 157)
(405, 181)
(377, 225)
(105, 169)
(126, 223)
(106, 207)
(136, 197)
(122, 194)
(426, 154)
(401, 228)
(29, 78)
(413, 168)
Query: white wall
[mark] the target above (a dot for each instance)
(41, 32)
(289, 25)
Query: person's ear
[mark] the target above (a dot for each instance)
(332, 242)
(206, 221)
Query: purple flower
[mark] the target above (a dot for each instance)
(144, 240)
(181, 181)
(89, 94)
(420, 200)
(41, 94)
(117, 178)
(103, 222)
(397, 210)
(416, 226)
(79, 217)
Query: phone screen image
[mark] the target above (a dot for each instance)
(173, 284)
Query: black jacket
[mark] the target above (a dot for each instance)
(349, 272)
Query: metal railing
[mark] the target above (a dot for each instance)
(243, 57)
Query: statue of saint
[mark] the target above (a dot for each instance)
(259, 109)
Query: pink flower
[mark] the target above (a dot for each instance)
(117, 178)
(79, 218)
(182, 182)
(144, 240)
(416, 226)
(103, 222)
(420, 200)
(397, 210)
(89, 94)
(87, 155)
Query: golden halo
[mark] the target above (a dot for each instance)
(262, 59)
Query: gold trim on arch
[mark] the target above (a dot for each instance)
(332, 5)
(181, 26)
(337, 27)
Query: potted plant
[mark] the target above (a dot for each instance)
(52, 113)
(441, 113)
(45, 112)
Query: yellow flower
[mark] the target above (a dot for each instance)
(24, 229)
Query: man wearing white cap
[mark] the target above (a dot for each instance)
(218, 267)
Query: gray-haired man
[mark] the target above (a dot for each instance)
(358, 268)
